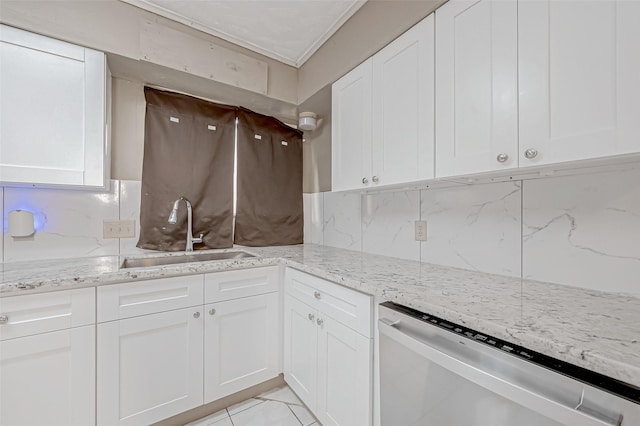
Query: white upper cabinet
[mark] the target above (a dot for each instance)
(351, 129)
(53, 112)
(403, 107)
(579, 66)
(476, 87)
(383, 115)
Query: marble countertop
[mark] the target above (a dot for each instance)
(595, 330)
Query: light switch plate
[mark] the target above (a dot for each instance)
(421, 230)
(119, 229)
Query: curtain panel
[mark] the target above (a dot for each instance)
(189, 152)
(269, 203)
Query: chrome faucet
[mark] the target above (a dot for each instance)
(173, 218)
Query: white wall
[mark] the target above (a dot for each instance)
(580, 230)
(376, 24)
(127, 129)
(116, 27)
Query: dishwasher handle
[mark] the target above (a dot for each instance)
(556, 410)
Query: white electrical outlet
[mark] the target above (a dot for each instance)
(421, 230)
(119, 229)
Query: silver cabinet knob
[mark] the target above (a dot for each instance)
(531, 153)
(196, 315)
(212, 311)
(311, 317)
(4, 319)
(502, 158)
(317, 295)
(365, 181)
(375, 179)
(320, 321)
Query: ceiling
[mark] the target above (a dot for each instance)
(289, 31)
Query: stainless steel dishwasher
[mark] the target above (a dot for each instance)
(437, 373)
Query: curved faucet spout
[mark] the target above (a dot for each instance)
(173, 218)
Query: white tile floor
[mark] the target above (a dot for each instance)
(277, 407)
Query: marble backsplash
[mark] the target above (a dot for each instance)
(581, 230)
(578, 230)
(69, 223)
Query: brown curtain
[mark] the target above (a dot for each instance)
(269, 206)
(188, 151)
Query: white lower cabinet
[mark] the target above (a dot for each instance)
(149, 350)
(344, 375)
(47, 359)
(169, 345)
(327, 363)
(150, 367)
(301, 350)
(48, 379)
(241, 344)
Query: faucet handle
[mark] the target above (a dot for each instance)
(199, 239)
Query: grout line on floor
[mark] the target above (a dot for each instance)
(245, 409)
(262, 398)
(294, 414)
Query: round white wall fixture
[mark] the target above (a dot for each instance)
(307, 121)
(21, 223)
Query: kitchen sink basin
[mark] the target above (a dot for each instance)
(186, 258)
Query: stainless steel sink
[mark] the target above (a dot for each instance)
(186, 258)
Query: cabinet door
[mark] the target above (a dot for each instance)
(52, 98)
(476, 86)
(351, 129)
(149, 367)
(344, 372)
(241, 344)
(48, 379)
(403, 107)
(301, 350)
(579, 68)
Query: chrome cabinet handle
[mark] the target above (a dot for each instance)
(317, 295)
(365, 180)
(502, 158)
(375, 179)
(212, 311)
(531, 153)
(311, 317)
(4, 319)
(320, 321)
(196, 315)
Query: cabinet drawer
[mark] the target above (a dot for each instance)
(40, 313)
(146, 297)
(349, 307)
(221, 286)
